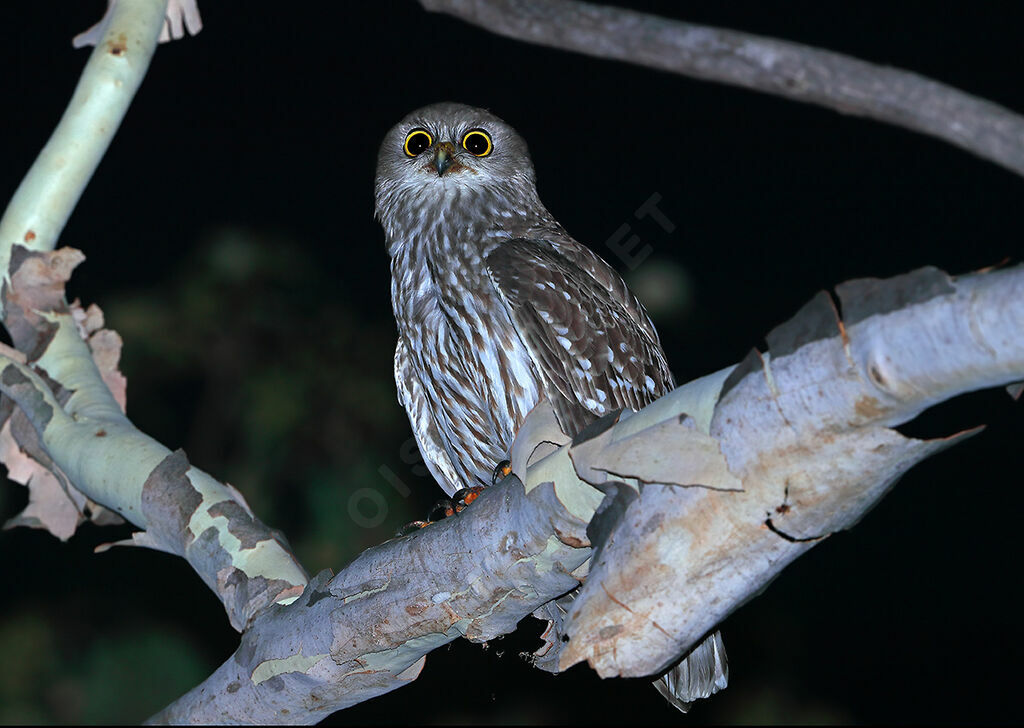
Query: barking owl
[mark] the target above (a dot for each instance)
(498, 306)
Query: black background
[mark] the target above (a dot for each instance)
(270, 120)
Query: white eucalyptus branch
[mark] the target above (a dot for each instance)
(779, 67)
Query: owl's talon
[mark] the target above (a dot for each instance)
(442, 509)
(465, 496)
(501, 471)
(411, 527)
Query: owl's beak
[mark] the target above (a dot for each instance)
(444, 158)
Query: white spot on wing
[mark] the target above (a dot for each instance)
(593, 405)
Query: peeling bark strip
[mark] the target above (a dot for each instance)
(51, 332)
(241, 524)
(33, 287)
(247, 590)
(168, 501)
(817, 319)
(795, 71)
(864, 297)
(25, 394)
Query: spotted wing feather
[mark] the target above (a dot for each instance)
(591, 340)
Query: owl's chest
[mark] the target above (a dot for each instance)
(467, 349)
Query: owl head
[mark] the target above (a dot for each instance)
(451, 154)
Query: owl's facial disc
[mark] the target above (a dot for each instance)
(447, 157)
(446, 151)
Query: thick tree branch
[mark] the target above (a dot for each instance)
(796, 71)
(805, 432)
(711, 491)
(367, 630)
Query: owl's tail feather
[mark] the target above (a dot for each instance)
(701, 674)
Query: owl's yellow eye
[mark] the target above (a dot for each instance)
(477, 142)
(417, 141)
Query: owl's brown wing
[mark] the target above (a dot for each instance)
(596, 350)
(589, 337)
